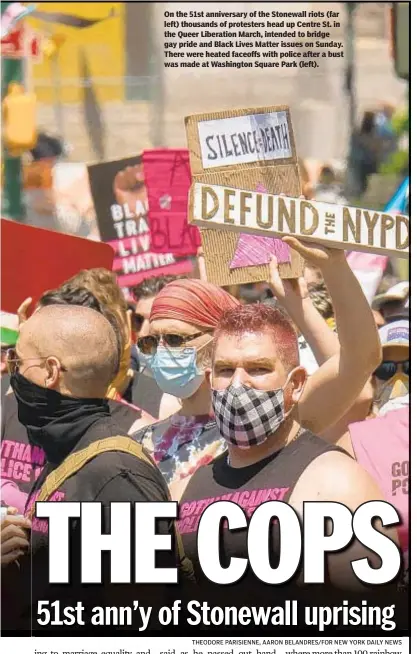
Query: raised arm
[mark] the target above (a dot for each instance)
(293, 296)
(334, 387)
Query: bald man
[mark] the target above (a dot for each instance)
(64, 360)
(84, 356)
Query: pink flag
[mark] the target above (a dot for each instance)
(368, 269)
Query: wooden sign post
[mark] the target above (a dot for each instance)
(263, 214)
(246, 149)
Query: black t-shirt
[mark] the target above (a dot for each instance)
(273, 478)
(21, 462)
(110, 477)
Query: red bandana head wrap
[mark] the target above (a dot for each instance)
(193, 301)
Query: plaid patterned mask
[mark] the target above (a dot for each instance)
(246, 416)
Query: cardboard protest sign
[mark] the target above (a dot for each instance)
(121, 204)
(34, 260)
(168, 180)
(335, 225)
(250, 149)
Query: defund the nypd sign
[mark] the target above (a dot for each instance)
(349, 228)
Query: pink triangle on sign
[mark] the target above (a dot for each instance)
(256, 250)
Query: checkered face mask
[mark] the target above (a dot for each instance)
(246, 416)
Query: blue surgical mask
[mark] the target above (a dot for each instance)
(176, 371)
(144, 363)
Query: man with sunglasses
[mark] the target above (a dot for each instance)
(62, 364)
(391, 378)
(146, 392)
(381, 444)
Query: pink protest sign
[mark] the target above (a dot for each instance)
(135, 260)
(256, 250)
(120, 200)
(168, 180)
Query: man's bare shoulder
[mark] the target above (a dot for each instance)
(335, 477)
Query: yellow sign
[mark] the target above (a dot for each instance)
(103, 45)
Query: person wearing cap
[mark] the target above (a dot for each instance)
(391, 379)
(385, 391)
(381, 444)
(393, 304)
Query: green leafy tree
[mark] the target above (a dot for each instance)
(399, 162)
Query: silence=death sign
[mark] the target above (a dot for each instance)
(244, 139)
(338, 226)
(252, 149)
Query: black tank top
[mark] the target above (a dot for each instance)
(273, 478)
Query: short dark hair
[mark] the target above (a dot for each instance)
(75, 296)
(151, 286)
(257, 318)
(46, 147)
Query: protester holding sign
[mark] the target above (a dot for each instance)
(260, 399)
(386, 391)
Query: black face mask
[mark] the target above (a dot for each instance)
(53, 421)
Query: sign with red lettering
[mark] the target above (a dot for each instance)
(34, 260)
(121, 205)
(168, 180)
(20, 43)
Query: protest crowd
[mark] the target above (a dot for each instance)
(285, 396)
(142, 380)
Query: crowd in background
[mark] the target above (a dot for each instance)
(266, 386)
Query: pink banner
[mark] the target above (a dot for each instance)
(120, 200)
(168, 180)
(134, 260)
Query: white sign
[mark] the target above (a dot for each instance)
(276, 215)
(244, 139)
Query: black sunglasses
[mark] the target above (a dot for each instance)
(149, 344)
(388, 369)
